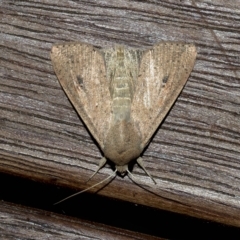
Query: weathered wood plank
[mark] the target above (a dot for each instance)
(18, 222)
(194, 156)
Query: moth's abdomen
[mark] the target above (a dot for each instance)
(121, 101)
(123, 140)
(121, 84)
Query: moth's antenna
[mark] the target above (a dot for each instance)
(140, 162)
(102, 162)
(130, 174)
(134, 179)
(141, 184)
(75, 194)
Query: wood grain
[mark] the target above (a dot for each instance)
(18, 222)
(195, 154)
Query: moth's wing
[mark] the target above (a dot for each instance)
(81, 71)
(163, 71)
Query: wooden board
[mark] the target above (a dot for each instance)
(195, 154)
(18, 222)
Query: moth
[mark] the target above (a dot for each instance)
(122, 94)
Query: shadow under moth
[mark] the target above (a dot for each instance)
(122, 94)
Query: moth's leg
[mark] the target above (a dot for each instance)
(101, 164)
(140, 162)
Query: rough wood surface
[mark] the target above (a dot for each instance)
(195, 154)
(18, 222)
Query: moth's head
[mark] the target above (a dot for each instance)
(122, 169)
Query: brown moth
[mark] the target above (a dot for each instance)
(122, 94)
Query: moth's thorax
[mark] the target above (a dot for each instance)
(122, 143)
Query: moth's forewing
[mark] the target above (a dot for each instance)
(81, 71)
(163, 72)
